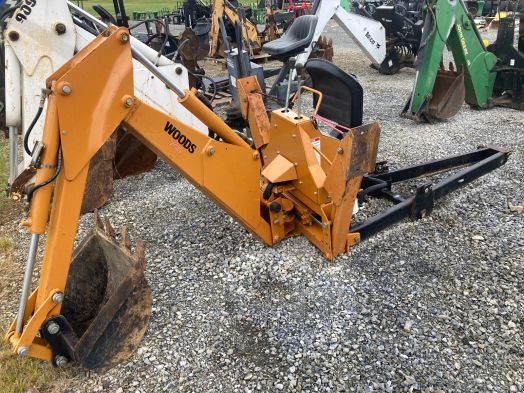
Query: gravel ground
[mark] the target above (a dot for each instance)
(435, 305)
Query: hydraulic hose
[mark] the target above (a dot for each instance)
(30, 129)
(50, 180)
(45, 92)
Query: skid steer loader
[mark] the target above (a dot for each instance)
(483, 77)
(39, 38)
(284, 179)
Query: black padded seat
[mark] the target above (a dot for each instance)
(297, 38)
(343, 96)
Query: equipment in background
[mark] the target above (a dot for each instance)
(238, 63)
(438, 93)
(39, 46)
(494, 8)
(403, 22)
(197, 19)
(225, 9)
(286, 179)
(509, 83)
(368, 34)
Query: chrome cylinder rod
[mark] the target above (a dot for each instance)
(292, 61)
(13, 161)
(26, 286)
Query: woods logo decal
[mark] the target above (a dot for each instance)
(177, 135)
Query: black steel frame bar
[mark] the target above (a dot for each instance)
(480, 162)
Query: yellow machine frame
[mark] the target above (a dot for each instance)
(282, 186)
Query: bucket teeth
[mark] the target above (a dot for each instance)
(109, 230)
(99, 224)
(140, 254)
(125, 242)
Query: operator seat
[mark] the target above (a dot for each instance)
(343, 96)
(296, 39)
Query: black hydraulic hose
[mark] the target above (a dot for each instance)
(198, 76)
(147, 20)
(30, 129)
(50, 180)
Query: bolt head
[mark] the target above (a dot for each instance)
(60, 28)
(66, 90)
(340, 150)
(61, 361)
(53, 328)
(22, 351)
(124, 38)
(211, 151)
(275, 207)
(14, 35)
(129, 102)
(58, 297)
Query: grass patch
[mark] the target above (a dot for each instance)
(19, 375)
(132, 6)
(6, 245)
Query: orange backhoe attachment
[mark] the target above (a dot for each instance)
(279, 186)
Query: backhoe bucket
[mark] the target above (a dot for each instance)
(99, 185)
(448, 94)
(107, 301)
(132, 157)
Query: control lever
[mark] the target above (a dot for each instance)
(300, 69)
(292, 61)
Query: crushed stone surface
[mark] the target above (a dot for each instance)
(435, 305)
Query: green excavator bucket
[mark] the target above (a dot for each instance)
(108, 301)
(448, 94)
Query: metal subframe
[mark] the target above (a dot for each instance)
(379, 184)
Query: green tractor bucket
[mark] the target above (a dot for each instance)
(448, 94)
